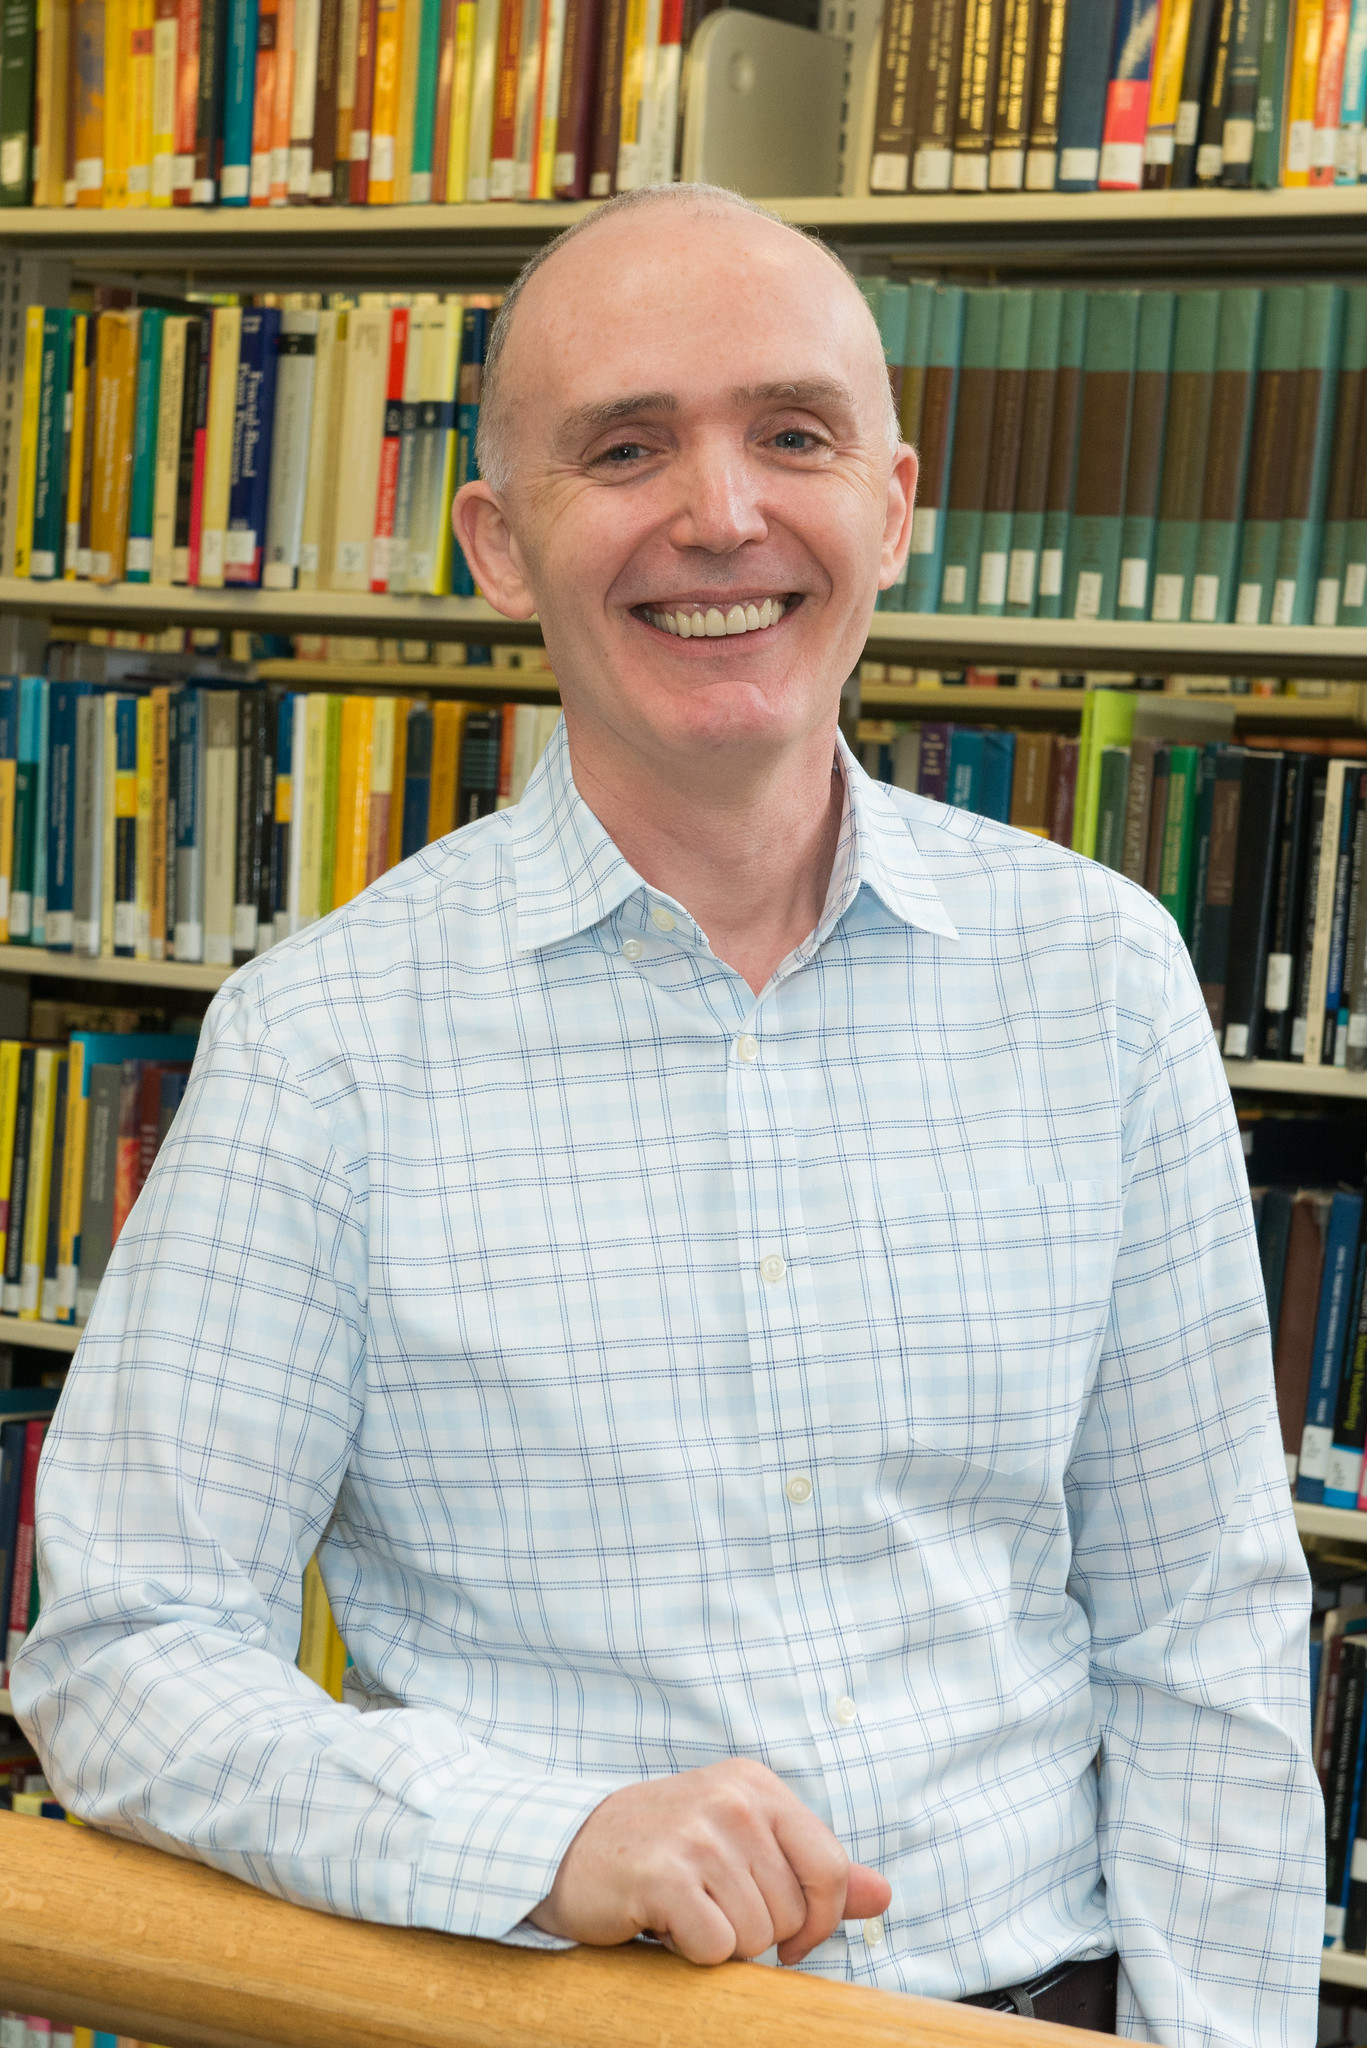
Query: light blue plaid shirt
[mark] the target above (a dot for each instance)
(871, 1377)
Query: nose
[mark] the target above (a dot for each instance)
(719, 506)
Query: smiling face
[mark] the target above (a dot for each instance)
(702, 501)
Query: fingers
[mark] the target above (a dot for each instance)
(696, 1927)
(867, 1894)
(820, 1866)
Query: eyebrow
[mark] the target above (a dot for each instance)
(809, 391)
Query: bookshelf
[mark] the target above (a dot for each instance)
(63, 1337)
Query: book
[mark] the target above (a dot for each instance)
(23, 1566)
(574, 116)
(1011, 107)
(1165, 91)
(1349, 153)
(989, 581)
(220, 823)
(1348, 415)
(1203, 33)
(1217, 544)
(890, 163)
(362, 418)
(326, 121)
(250, 454)
(1270, 452)
(1113, 788)
(1030, 775)
(1089, 42)
(121, 829)
(1217, 848)
(1251, 902)
(325, 433)
(391, 434)
(216, 487)
(1094, 531)
(1307, 1041)
(1293, 599)
(972, 448)
(291, 432)
(1144, 469)
(213, 41)
(1107, 721)
(48, 1065)
(1032, 473)
(939, 410)
(1209, 163)
(116, 372)
(166, 468)
(1179, 833)
(1342, 1783)
(188, 38)
(1125, 124)
(1041, 155)
(1329, 91)
(1063, 448)
(1302, 81)
(978, 59)
(48, 531)
(89, 96)
(1272, 65)
(1190, 398)
(18, 1187)
(54, 77)
(138, 547)
(937, 98)
(239, 107)
(1138, 806)
(105, 1088)
(18, 35)
(1240, 131)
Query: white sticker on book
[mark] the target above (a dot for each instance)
(1210, 161)
(1236, 1041)
(1300, 137)
(1238, 143)
(139, 555)
(59, 928)
(1041, 169)
(1357, 1031)
(360, 145)
(1290, 1467)
(382, 158)
(1277, 996)
(992, 578)
(1158, 146)
(202, 192)
(237, 181)
(565, 165)
(1167, 598)
(211, 554)
(308, 557)
(189, 939)
(1334, 1918)
(931, 170)
(1087, 604)
(1298, 1039)
(1122, 165)
(1188, 122)
(239, 547)
(887, 172)
(970, 172)
(1283, 600)
(244, 928)
(12, 160)
(1357, 1869)
(1007, 170)
(923, 525)
(42, 563)
(278, 576)
(90, 173)
(1344, 1471)
(1327, 601)
(301, 169)
(1051, 573)
(1078, 166)
(351, 556)
(1316, 1443)
(125, 925)
(955, 584)
(183, 170)
(1020, 584)
(1248, 604)
(101, 565)
(1134, 583)
(1355, 584)
(1205, 598)
(163, 166)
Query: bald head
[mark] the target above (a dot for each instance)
(684, 217)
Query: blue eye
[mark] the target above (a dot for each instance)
(625, 451)
(794, 439)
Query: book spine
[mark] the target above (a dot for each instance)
(1082, 99)
(116, 102)
(263, 103)
(249, 472)
(161, 847)
(218, 445)
(47, 526)
(972, 449)
(938, 415)
(1272, 65)
(239, 107)
(890, 162)
(1127, 98)
(1179, 834)
(1063, 447)
(607, 99)
(1349, 156)
(1011, 111)
(385, 101)
(290, 438)
(1301, 86)
(1241, 97)
(1348, 409)
(25, 1546)
(937, 98)
(390, 444)
(54, 80)
(1345, 1224)
(367, 31)
(138, 552)
(18, 27)
(1217, 548)
(1329, 91)
(1165, 92)
(989, 580)
(189, 926)
(1308, 1037)
(282, 107)
(348, 35)
(1217, 893)
(303, 97)
(978, 60)
(1202, 29)
(220, 825)
(190, 456)
(247, 877)
(1210, 130)
(1157, 315)
(1032, 477)
(1270, 452)
(1293, 597)
(170, 408)
(323, 163)
(213, 41)
(1094, 532)
(1041, 156)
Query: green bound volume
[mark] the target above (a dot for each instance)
(1269, 461)
(1273, 57)
(1058, 497)
(1093, 572)
(138, 560)
(1195, 336)
(1179, 834)
(1148, 421)
(1003, 468)
(49, 511)
(972, 449)
(1113, 790)
(891, 315)
(1348, 412)
(18, 33)
(1032, 474)
(921, 590)
(1222, 503)
(1293, 600)
(1107, 721)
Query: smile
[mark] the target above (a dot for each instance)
(692, 622)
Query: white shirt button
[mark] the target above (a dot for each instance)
(773, 1268)
(662, 919)
(799, 1489)
(846, 1710)
(632, 949)
(873, 1932)
(747, 1048)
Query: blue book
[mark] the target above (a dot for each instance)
(42, 696)
(1331, 1327)
(239, 94)
(939, 410)
(994, 785)
(283, 816)
(1316, 1658)
(190, 826)
(138, 555)
(1089, 39)
(61, 815)
(967, 494)
(474, 342)
(417, 784)
(245, 540)
(125, 829)
(963, 788)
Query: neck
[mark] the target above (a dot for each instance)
(748, 853)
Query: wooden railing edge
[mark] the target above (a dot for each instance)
(94, 1931)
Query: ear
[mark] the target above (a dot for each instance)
(480, 524)
(897, 530)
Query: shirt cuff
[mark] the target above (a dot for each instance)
(495, 1854)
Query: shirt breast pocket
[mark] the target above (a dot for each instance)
(1000, 1301)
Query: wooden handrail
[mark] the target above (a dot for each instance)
(100, 1933)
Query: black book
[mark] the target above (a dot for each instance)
(1210, 137)
(1241, 93)
(1250, 910)
(247, 850)
(213, 49)
(1274, 1237)
(18, 1186)
(1202, 31)
(194, 414)
(1285, 938)
(1338, 929)
(479, 757)
(13, 1437)
(417, 784)
(1308, 919)
(1341, 1782)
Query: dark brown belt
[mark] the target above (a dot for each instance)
(1072, 1995)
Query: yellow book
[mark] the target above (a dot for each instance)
(117, 110)
(1165, 93)
(11, 1050)
(635, 33)
(140, 89)
(81, 2037)
(73, 1183)
(384, 118)
(440, 582)
(109, 825)
(1303, 70)
(408, 94)
(365, 377)
(218, 449)
(8, 774)
(322, 1653)
(51, 95)
(353, 798)
(80, 454)
(142, 872)
(166, 475)
(165, 35)
(48, 1062)
(28, 443)
(116, 385)
(398, 775)
(448, 730)
(462, 92)
(309, 823)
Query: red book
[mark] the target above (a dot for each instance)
(187, 102)
(149, 1120)
(1062, 791)
(1122, 141)
(263, 104)
(21, 1593)
(503, 143)
(389, 450)
(364, 101)
(1329, 91)
(578, 75)
(128, 1147)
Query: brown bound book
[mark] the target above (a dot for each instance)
(1041, 152)
(977, 94)
(1011, 111)
(1134, 849)
(1062, 791)
(1030, 782)
(937, 98)
(1158, 818)
(578, 77)
(1008, 424)
(325, 105)
(363, 101)
(1148, 417)
(608, 101)
(1058, 492)
(1294, 1349)
(893, 133)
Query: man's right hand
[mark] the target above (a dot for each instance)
(720, 1862)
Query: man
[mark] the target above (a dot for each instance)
(748, 1276)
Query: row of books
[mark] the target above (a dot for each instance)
(250, 446)
(159, 103)
(203, 823)
(1192, 455)
(996, 95)
(1338, 1697)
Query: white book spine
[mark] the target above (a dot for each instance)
(1325, 881)
(305, 91)
(366, 374)
(290, 443)
(482, 99)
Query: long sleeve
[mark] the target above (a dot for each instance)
(1187, 1562)
(194, 1464)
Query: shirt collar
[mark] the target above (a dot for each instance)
(570, 875)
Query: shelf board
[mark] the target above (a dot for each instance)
(5, 1707)
(169, 974)
(40, 1336)
(1347, 1524)
(352, 612)
(415, 677)
(971, 702)
(1289, 1077)
(1338, 1967)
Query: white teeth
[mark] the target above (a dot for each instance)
(699, 625)
(671, 623)
(715, 624)
(735, 619)
(684, 624)
(752, 617)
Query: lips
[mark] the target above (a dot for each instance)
(696, 621)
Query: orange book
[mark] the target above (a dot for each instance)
(187, 102)
(394, 850)
(141, 19)
(89, 122)
(118, 110)
(507, 735)
(263, 103)
(353, 799)
(116, 384)
(384, 114)
(381, 788)
(284, 103)
(507, 63)
(51, 94)
(389, 450)
(448, 727)
(1302, 89)
(1329, 91)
